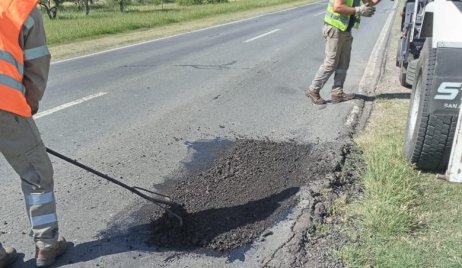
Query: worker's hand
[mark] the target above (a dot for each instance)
(365, 10)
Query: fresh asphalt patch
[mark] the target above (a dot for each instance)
(247, 187)
(235, 195)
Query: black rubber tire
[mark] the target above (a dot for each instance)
(398, 53)
(411, 72)
(428, 143)
(402, 77)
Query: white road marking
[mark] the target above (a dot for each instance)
(260, 36)
(320, 13)
(67, 105)
(181, 34)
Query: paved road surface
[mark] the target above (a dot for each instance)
(132, 112)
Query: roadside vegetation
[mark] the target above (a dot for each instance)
(72, 24)
(405, 218)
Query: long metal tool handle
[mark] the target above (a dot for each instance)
(104, 176)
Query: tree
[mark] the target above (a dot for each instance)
(51, 11)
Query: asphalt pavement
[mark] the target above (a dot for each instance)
(134, 112)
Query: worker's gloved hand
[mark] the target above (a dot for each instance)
(365, 10)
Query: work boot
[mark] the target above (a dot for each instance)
(314, 96)
(8, 255)
(46, 257)
(340, 96)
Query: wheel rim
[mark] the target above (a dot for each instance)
(414, 110)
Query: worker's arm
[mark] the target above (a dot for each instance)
(341, 8)
(371, 2)
(36, 58)
(364, 10)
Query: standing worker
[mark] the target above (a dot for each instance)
(24, 66)
(340, 18)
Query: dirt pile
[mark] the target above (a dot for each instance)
(249, 187)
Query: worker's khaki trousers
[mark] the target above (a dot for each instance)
(337, 58)
(23, 148)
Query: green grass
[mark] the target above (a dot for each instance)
(405, 218)
(72, 25)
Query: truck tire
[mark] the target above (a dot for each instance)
(411, 72)
(429, 136)
(402, 77)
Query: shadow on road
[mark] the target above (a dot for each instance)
(110, 244)
(386, 96)
(200, 227)
(366, 98)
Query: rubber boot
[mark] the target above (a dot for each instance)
(8, 255)
(46, 257)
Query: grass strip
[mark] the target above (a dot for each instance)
(72, 25)
(405, 218)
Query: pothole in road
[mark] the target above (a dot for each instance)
(248, 187)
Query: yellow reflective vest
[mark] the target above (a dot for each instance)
(338, 20)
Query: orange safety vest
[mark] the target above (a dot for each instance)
(13, 15)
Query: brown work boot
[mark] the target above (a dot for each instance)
(46, 257)
(340, 96)
(314, 96)
(8, 255)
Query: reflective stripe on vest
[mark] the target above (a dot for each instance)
(338, 20)
(12, 83)
(7, 57)
(14, 14)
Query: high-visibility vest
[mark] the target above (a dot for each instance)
(338, 20)
(13, 15)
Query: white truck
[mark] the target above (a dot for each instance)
(430, 61)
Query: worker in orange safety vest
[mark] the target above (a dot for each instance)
(24, 66)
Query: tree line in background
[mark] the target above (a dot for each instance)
(51, 6)
(199, 2)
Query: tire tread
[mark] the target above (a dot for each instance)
(436, 132)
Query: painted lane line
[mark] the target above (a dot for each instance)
(320, 13)
(262, 35)
(67, 105)
(190, 32)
